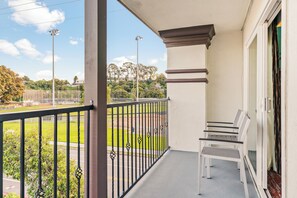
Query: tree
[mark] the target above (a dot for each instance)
(11, 85)
(75, 79)
(26, 79)
(11, 164)
(108, 95)
(113, 72)
(130, 70)
(82, 94)
(120, 93)
(153, 92)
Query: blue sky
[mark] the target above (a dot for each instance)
(25, 44)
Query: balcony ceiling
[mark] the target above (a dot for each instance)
(226, 15)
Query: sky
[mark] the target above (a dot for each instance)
(26, 45)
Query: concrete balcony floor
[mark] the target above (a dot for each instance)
(175, 176)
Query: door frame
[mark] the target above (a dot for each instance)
(266, 26)
(256, 34)
(260, 29)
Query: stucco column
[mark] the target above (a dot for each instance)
(95, 90)
(186, 84)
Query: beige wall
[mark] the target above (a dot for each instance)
(225, 66)
(290, 95)
(187, 107)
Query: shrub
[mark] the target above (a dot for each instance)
(12, 163)
(11, 195)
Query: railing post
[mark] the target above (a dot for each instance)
(95, 89)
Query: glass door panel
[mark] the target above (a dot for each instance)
(252, 106)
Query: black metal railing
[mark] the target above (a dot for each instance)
(54, 117)
(137, 139)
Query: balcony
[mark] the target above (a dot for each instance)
(137, 137)
(139, 160)
(150, 151)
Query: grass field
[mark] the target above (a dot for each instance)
(118, 137)
(115, 138)
(33, 108)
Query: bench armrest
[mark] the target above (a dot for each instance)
(225, 132)
(214, 122)
(227, 127)
(218, 140)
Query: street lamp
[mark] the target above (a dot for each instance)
(54, 32)
(138, 38)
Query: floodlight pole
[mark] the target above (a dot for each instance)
(53, 32)
(138, 38)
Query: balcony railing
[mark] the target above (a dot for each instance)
(138, 139)
(51, 117)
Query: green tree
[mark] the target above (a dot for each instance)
(11, 85)
(153, 92)
(75, 79)
(26, 79)
(82, 94)
(11, 164)
(120, 93)
(108, 95)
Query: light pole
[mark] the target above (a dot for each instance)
(138, 38)
(54, 32)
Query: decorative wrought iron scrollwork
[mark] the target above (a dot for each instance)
(166, 124)
(39, 193)
(78, 173)
(112, 155)
(139, 140)
(128, 146)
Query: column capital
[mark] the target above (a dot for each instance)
(186, 36)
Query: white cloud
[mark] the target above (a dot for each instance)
(73, 42)
(153, 61)
(8, 48)
(27, 48)
(132, 57)
(44, 75)
(36, 14)
(119, 61)
(49, 59)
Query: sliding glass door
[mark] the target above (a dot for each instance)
(252, 104)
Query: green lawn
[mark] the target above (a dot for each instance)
(48, 127)
(32, 108)
(112, 136)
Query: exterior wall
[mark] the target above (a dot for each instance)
(290, 95)
(225, 66)
(187, 107)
